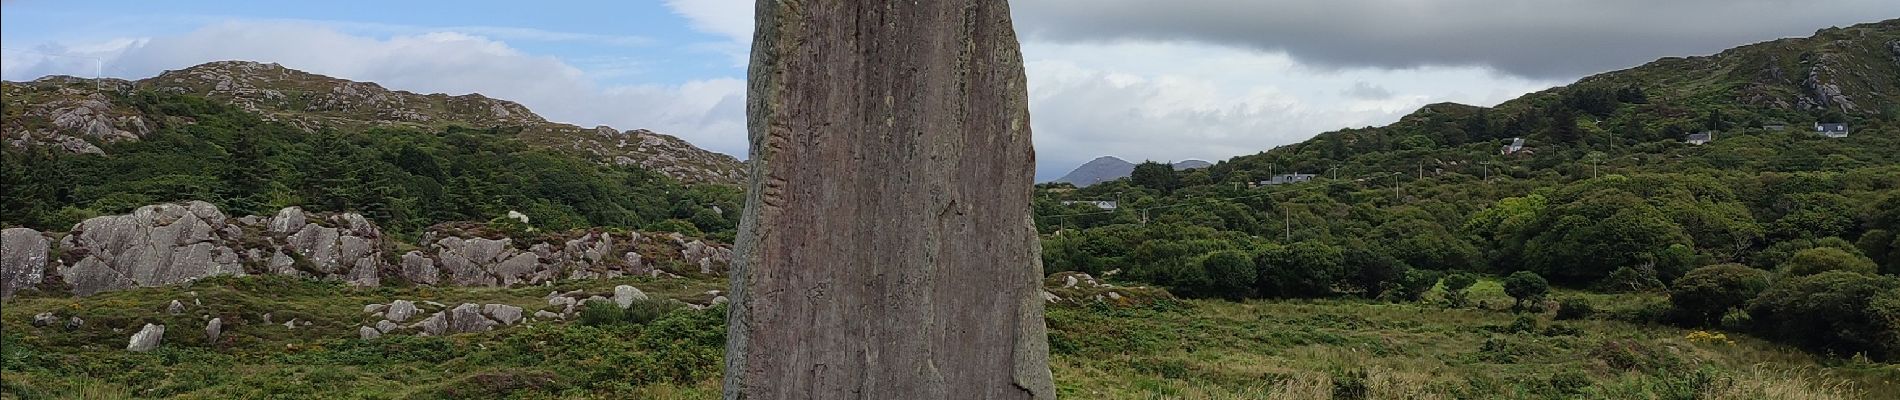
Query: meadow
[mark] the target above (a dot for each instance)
(1188, 349)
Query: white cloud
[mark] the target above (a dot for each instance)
(1171, 101)
(729, 18)
(1179, 99)
(702, 112)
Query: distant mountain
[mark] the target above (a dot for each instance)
(1108, 168)
(1191, 164)
(79, 115)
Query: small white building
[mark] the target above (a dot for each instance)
(1831, 130)
(1701, 138)
(1517, 145)
(1101, 204)
(1288, 178)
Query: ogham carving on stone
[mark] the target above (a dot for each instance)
(887, 250)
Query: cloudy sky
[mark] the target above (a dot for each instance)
(1138, 79)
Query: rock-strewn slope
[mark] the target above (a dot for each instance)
(78, 115)
(175, 243)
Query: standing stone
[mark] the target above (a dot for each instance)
(213, 330)
(147, 339)
(886, 250)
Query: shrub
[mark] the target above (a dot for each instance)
(1631, 355)
(1823, 259)
(1837, 311)
(1574, 308)
(1413, 285)
(597, 313)
(1374, 271)
(1304, 269)
(1704, 295)
(1455, 286)
(1526, 287)
(1230, 274)
(1632, 280)
(1523, 324)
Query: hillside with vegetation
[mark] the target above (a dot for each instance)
(404, 177)
(1770, 231)
(1608, 259)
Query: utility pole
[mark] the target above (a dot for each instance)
(1289, 225)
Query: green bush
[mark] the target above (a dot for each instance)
(1823, 259)
(1704, 295)
(1230, 274)
(1527, 288)
(598, 313)
(1632, 280)
(1838, 311)
(1301, 270)
(1574, 308)
(1413, 285)
(1456, 285)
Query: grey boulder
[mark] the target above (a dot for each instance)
(147, 338)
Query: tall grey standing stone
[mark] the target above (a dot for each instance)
(886, 250)
(147, 338)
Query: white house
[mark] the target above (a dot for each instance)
(1831, 130)
(1517, 145)
(1288, 178)
(1701, 138)
(1102, 204)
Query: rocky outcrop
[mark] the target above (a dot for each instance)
(154, 245)
(1821, 92)
(469, 318)
(23, 259)
(342, 246)
(147, 338)
(1074, 288)
(78, 114)
(71, 114)
(175, 243)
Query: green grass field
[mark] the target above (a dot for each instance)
(1198, 349)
